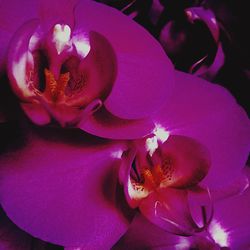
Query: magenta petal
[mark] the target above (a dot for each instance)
(209, 114)
(232, 217)
(237, 187)
(49, 12)
(168, 208)
(104, 124)
(141, 87)
(58, 11)
(15, 10)
(61, 188)
(191, 160)
(144, 235)
(144, 73)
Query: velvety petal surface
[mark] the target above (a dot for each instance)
(11, 18)
(104, 124)
(51, 12)
(60, 186)
(209, 114)
(230, 227)
(144, 73)
(190, 161)
(169, 209)
(142, 234)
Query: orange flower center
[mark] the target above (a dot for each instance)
(152, 178)
(55, 89)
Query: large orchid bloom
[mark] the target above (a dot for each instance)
(94, 69)
(228, 230)
(76, 69)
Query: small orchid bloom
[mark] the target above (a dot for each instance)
(173, 41)
(229, 229)
(159, 181)
(187, 155)
(87, 72)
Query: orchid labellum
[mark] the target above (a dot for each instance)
(86, 74)
(229, 230)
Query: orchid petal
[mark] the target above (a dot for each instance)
(144, 73)
(15, 10)
(142, 234)
(52, 12)
(54, 190)
(191, 161)
(49, 12)
(234, 222)
(236, 187)
(209, 114)
(104, 124)
(168, 208)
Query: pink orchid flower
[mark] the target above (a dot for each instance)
(163, 177)
(83, 71)
(61, 185)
